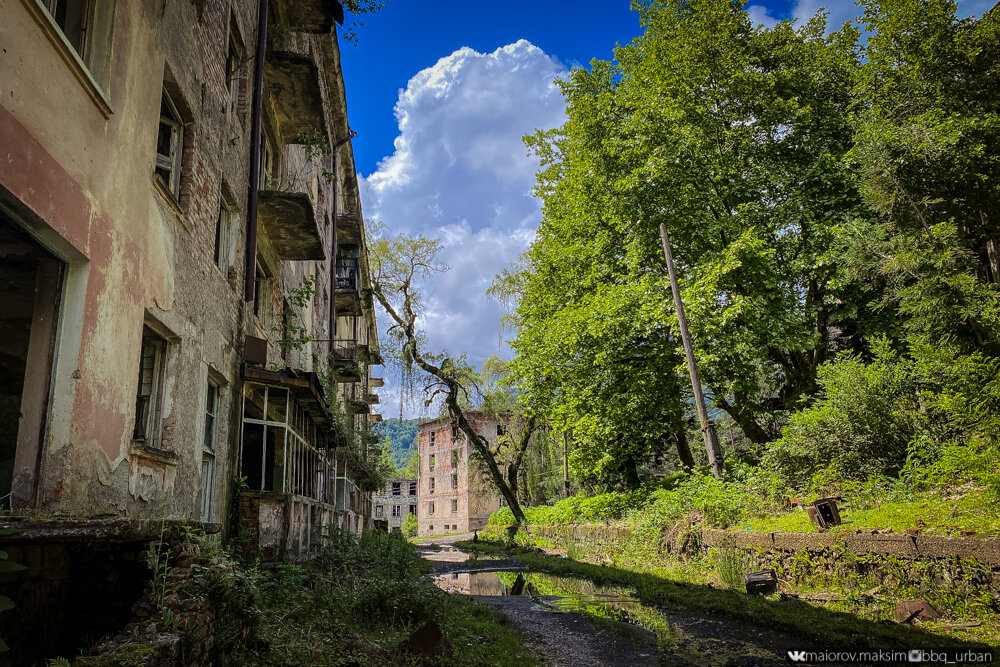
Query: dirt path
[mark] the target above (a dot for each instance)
(561, 638)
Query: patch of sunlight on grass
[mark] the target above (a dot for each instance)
(934, 514)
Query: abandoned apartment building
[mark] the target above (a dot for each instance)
(453, 494)
(161, 358)
(397, 500)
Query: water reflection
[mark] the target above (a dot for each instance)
(566, 594)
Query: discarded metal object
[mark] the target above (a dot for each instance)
(762, 583)
(824, 513)
(911, 610)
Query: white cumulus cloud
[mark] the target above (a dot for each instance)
(460, 172)
(841, 11)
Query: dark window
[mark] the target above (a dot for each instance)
(499, 429)
(432, 439)
(454, 481)
(211, 417)
(234, 79)
(223, 234)
(413, 510)
(396, 509)
(74, 18)
(454, 506)
(147, 398)
(413, 488)
(397, 489)
(430, 509)
(169, 146)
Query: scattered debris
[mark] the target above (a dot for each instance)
(762, 583)
(911, 610)
(824, 513)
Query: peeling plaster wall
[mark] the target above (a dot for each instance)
(82, 184)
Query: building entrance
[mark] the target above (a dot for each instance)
(30, 288)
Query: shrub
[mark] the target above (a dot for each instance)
(409, 526)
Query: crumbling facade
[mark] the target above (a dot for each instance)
(183, 310)
(454, 495)
(398, 499)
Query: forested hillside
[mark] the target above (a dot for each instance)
(402, 437)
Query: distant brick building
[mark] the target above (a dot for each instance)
(399, 498)
(453, 495)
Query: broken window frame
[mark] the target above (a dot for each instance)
(397, 511)
(170, 162)
(454, 506)
(304, 470)
(456, 456)
(430, 508)
(234, 69)
(413, 488)
(430, 462)
(379, 511)
(149, 392)
(397, 488)
(412, 509)
(454, 480)
(430, 485)
(213, 396)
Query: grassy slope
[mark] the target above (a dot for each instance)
(937, 514)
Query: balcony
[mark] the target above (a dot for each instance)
(292, 81)
(376, 382)
(374, 417)
(313, 16)
(371, 399)
(290, 222)
(344, 360)
(349, 228)
(347, 292)
(356, 406)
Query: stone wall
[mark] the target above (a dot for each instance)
(965, 564)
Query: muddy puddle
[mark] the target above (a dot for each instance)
(566, 594)
(682, 638)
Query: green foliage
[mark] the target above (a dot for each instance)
(577, 509)
(358, 600)
(409, 525)
(732, 566)
(295, 334)
(402, 437)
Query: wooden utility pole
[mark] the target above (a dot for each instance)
(565, 465)
(715, 458)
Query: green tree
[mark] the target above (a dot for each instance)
(397, 264)
(927, 158)
(734, 137)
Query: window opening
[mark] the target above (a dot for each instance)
(169, 146)
(74, 18)
(148, 399)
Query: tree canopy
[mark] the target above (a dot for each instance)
(823, 191)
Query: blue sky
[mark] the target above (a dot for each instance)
(410, 35)
(441, 93)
